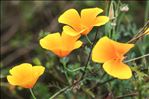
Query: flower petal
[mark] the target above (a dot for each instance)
(101, 20)
(51, 41)
(78, 44)
(12, 80)
(68, 41)
(24, 67)
(89, 15)
(38, 70)
(117, 69)
(70, 31)
(122, 48)
(70, 17)
(103, 50)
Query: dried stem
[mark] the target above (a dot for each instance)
(128, 95)
(59, 92)
(140, 34)
(137, 58)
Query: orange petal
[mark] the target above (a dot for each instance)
(68, 41)
(38, 70)
(78, 44)
(21, 69)
(51, 41)
(86, 30)
(70, 31)
(117, 69)
(12, 80)
(63, 53)
(103, 50)
(122, 48)
(89, 15)
(101, 20)
(71, 18)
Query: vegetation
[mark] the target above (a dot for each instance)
(76, 76)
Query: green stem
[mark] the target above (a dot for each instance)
(74, 70)
(66, 75)
(146, 11)
(59, 92)
(32, 94)
(128, 95)
(88, 39)
(137, 58)
(87, 62)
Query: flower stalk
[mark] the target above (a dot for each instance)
(31, 91)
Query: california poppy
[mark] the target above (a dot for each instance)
(82, 24)
(111, 53)
(61, 45)
(25, 75)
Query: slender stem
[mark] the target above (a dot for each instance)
(32, 94)
(73, 85)
(59, 92)
(88, 39)
(146, 11)
(65, 72)
(109, 80)
(74, 70)
(137, 58)
(64, 89)
(140, 33)
(89, 56)
(128, 95)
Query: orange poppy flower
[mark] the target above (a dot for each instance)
(25, 75)
(82, 24)
(111, 53)
(61, 45)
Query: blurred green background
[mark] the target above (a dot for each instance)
(23, 23)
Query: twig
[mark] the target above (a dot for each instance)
(73, 85)
(128, 95)
(102, 83)
(137, 58)
(106, 81)
(59, 92)
(140, 34)
(89, 56)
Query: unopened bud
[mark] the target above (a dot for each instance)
(124, 8)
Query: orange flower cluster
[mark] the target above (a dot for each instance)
(62, 45)
(26, 75)
(106, 51)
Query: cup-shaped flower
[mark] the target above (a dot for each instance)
(61, 45)
(25, 75)
(111, 53)
(82, 24)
